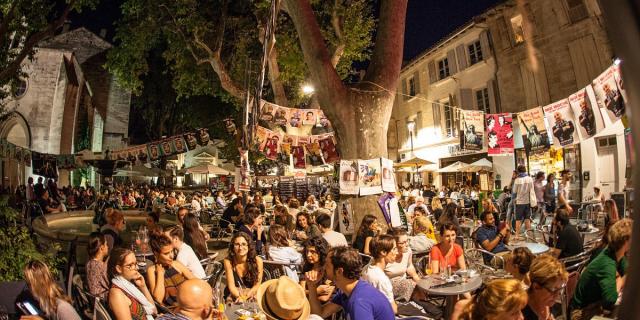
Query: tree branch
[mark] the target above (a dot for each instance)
(330, 88)
(33, 40)
(386, 61)
(280, 96)
(336, 23)
(4, 26)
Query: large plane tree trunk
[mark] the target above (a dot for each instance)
(359, 114)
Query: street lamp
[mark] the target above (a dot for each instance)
(308, 89)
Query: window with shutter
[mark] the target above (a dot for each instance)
(482, 100)
(435, 107)
(443, 69)
(412, 87)
(577, 10)
(449, 120)
(475, 52)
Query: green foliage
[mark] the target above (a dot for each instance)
(232, 30)
(17, 247)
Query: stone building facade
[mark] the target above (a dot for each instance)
(68, 102)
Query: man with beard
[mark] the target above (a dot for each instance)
(587, 118)
(563, 129)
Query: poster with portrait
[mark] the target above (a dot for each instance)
(471, 130)
(261, 137)
(243, 177)
(499, 128)
(388, 179)
(153, 150)
(608, 95)
(179, 145)
(346, 224)
(284, 156)
(281, 116)
(586, 115)
(369, 176)
(298, 157)
(310, 117)
(190, 139)
(141, 153)
(314, 153)
(328, 147)
(267, 111)
(349, 177)
(166, 147)
(323, 121)
(534, 132)
(303, 141)
(560, 117)
(617, 74)
(295, 118)
(44, 165)
(202, 135)
(272, 144)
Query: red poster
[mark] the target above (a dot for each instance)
(499, 134)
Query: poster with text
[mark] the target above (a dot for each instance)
(314, 153)
(322, 120)
(202, 135)
(298, 157)
(190, 138)
(295, 118)
(499, 129)
(179, 145)
(472, 130)
(349, 177)
(328, 147)
(153, 151)
(281, 116)
(261, 137)
(346, 224)
(560, 117)
(243, 175)
(534, 132)
(388, 179)
(284, 156)
(617, 74)
(586, 113)
(271, 145)
(608, 95)
(166, 147)
(266, 111)
(369, 176)
(309, 117)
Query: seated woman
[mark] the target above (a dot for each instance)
(185, 255)
(548, 279)
(252, 225)
(501, 299)
(304, 228)
(243, 269)
(424, 237)
(96, 267)
(383, 250)
(279, 250)
(283, 217)
(368, 229)
(401, 271)
(129, 297)
(518, 263)
(44, 288)
(315, 253)
(194, 236)
(115, 225)
(447, 252)
(450, 215)
(166, 274)
(436, 208)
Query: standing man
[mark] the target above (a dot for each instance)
(358, 298)
(522, 188)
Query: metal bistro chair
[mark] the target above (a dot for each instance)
(574, 266)
(275, 269)
(210, 266)
(218, 232)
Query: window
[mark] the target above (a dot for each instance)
(475, 52)
(443, 68)
(412, 87)
(577, 10)
(449, 120)
(21, 89)
(518, 30)
(482, 100)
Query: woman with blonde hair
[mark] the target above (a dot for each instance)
(423, 235)
(436, 207)
(52, 300)
(500, 300)
(548, 278)
(115, 225)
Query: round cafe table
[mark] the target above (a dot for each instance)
(230, 309)
(534, 247)
(450, 293)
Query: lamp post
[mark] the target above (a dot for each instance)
(411, 126)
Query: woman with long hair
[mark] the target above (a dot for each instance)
(423, 235)
(500, 300)
(194, 237)
(282, 216)
(401, 271)
(44, 288)
(548, 278)
(167, 274)
(368, 229)
(305, 228)
(243, 268)
(280, 250)
(436, 208)
(611, 211)
(129, 298)
(315, 253)
(96, 268)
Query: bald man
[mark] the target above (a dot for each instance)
(194, 301)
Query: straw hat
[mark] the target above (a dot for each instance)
(283, 298)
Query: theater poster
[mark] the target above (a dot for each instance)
(349, 177)
(534, 132)
(261, 137)
(561, 119)
(617, 74)
(588, 118)
(328, 147)
(272, 144)
(388, 179)
(266, 111)
(499, 128)
(369, 176)
(608, 95)
(242, 175)
(299, 161)
(281, 116)
(472, 130)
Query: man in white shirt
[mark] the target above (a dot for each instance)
(383, 249)
(186, 255)
(195, 203)
(522, 188)
(335, 239)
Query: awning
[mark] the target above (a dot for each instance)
(206, 169)
(455, 167)
(480, 165)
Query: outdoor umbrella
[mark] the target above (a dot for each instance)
(480, 165)
(429, 167)
(455, 167)
(206, 169)
(413, 162)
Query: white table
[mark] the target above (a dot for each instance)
(450, 293)
(534, 247)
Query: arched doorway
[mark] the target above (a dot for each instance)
(16, 131)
